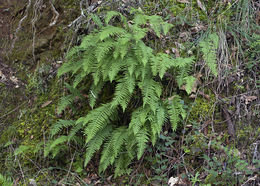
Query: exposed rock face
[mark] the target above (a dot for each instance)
(33, 33)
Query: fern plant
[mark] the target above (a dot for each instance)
(117, 54)
(209, 47)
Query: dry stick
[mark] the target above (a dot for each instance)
(40, 170)
(71, 164)
(20, 24)
(132, 175)
(250, 179)
(12, 110)
(55, 12)
(81, 15)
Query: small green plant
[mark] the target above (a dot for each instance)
(195, 179)
(228, 169)
(116, 54)
(4, 181)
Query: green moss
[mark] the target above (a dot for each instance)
(202, 109)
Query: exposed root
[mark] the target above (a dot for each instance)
(56, 14)
(20, 23)
(36, 14)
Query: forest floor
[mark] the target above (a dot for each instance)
(217, 144)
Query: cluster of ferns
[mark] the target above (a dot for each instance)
(116, 54)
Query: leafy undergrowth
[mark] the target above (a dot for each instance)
(215, 140)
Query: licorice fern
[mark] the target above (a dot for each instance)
(118, 55)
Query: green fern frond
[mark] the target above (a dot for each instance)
(183, 67)
(94, 91)
(209, 48)
(161, 116)
(22, 149)
(140, 19)
(138, 119)
(166, 27)
(114, 69)
(123, 92)
(142, 139)
(113, 147)
(110, 31)
(103, 49)
(121, 165)
(78, 78)
(143, 52)
(132, 64)
(58, 141)
(151, 91)
(71, 66)
(98, 119)
(64, 102)
(68, 100)
(190, 80)
(58, 126)
(155, 22)
(88, 42)
(118, 57)
(96, 20)
(112, 14)
(161, 63)
(54, 146)
(121, 46)
(94, 144)
(175, 110)
(89, 61)
(97, 76)
(74, 131)
(139, 33)
(157, 120)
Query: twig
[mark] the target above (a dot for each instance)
(20, 167)
(71, 164)
(12, 110)
(250, 179)
(55, 12)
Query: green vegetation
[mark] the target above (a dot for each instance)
(132, 93)
(117, 55)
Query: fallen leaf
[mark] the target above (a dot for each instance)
(2, 76)
(167, 51)
(46, 103)
(175, 181)
(14, 79)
